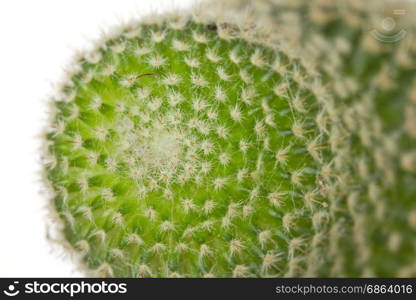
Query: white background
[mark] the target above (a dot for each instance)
(37, 39)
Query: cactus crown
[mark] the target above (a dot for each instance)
(182, 147)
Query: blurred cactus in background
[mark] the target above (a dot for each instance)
(365, 52)
(277, 139)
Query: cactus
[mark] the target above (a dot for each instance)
(182, 147)
(206, 147)
(371, 75)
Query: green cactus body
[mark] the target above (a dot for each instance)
(185, 148)
(372, 127)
